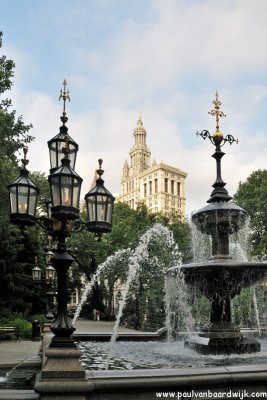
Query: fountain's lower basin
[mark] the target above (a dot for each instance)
(174, 369)
(161, 355)
(220, 281)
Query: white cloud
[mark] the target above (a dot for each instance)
(168, 64)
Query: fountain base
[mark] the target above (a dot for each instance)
(210, 343)
(222, 337)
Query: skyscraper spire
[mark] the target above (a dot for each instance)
(139, 121)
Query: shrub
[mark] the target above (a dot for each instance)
(23, 326)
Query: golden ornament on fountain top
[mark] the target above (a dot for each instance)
(217, 113)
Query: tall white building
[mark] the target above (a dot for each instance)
(160, 187)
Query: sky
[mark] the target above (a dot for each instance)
(165, 58)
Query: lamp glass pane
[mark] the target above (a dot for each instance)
(55, 191)
(53, 155)
(76, 193)
(101, 208)
(109, 211)
(32, 201)
(72, 157)
(90, 202)
(66, 191)
(13, 199)
(23, 199)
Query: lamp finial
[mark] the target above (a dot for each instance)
(100, 171)
(24, 160)
(64, 94)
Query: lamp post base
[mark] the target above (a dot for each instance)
(62, 374)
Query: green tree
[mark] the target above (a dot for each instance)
(251, 195)
(13, 132)
(17, 253)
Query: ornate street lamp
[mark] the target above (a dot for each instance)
(63, 213)
(50, 273)
(57, 144)
(48, 282)
(65, 186)
(99, 206)
(23, 196)
(36, 272)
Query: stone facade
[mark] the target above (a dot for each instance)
(160, 187)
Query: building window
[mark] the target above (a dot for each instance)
(166, 185)
(150, 188)
(172, 187)
(156, 186)
(73, 298)
(145, 192)
(178, 188)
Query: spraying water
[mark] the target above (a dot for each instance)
(9, 373)
(141, 256)
(255, 302)
(119, 256)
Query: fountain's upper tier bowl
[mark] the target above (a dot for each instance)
(223, 277)
(225, 217)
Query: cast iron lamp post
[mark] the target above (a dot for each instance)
(63, 215)
(48, 281)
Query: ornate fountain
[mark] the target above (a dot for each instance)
(220, 279)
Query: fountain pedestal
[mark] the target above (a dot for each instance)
(222, 338)
(220, 281)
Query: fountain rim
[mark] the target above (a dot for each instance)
(220, 264)
(217, 206)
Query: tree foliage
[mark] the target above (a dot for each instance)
(13, 132)
(252, 195)
(17, 249)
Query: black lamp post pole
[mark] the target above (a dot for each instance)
(62, 327)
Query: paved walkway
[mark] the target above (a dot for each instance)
(11, 352)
